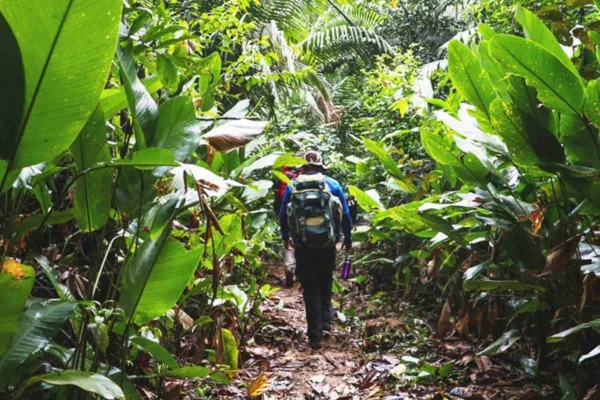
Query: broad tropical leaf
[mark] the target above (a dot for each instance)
(177, 128)
(529, 144)
(538, 32)
(74, 45)
(187, 372)
(493, 69)
(469, 77)
(592, 102)
(114, 100)
(414, 221)
(156, 276)
(142, 106)
(364, 200)
(558, 87)
(93, 190)
(16, 281)
(468, 168)
(88, 381)
(167, 72)
(159, 353)
(559, 337)
(210, 76)
(389, 164)
(230, 353)
(37, 326)
(580, 141)
(12, 97)
(55, 218)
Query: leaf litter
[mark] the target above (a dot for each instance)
(380, 356)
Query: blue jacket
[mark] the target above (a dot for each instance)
(337, 191)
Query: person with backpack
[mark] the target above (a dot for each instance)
(313, 216)
(280, 186)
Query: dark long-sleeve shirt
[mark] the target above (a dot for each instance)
(336, 190)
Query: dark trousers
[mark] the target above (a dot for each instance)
(314, 270)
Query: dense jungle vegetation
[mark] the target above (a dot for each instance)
(140, 142)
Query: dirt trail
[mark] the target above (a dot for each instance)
(296, 371)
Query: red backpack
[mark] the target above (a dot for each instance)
(292, 173)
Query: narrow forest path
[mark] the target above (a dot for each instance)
(391, 354)
(295, 370)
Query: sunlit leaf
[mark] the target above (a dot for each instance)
(469, 77)
(93, 190)
(67, 47)
(558, 87)
(88, 381)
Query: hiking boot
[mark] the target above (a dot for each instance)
(289, 278)
(315, 345)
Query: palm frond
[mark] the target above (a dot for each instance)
(345, 41)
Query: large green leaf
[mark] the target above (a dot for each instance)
(88, 381)
(12, 96)
(67, 47)
(580, 141)
(469, 77)
(177, 128)
(210, 76)
(493, 69)
(559, 337)
(37, 327)
(529, 143)
(114, 100)
(16, 281)
(167, 72)
(468, 168)
(364, 200)
(389, 164)
(55, 218)
(558, 87)
(232, 226)
(230, 349)
(384, 157)
(135, 190)
(93, 190)
(188, 372)
(142, 106)
(538, 32)
(159, 353)
(155, 277)
(414, 221)
(592, 102)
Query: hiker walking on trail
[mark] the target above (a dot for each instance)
(280, 187)
(313, 215)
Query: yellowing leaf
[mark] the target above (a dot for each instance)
(401, 106)
(259, 386)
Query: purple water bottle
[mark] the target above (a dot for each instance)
(346, 266)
